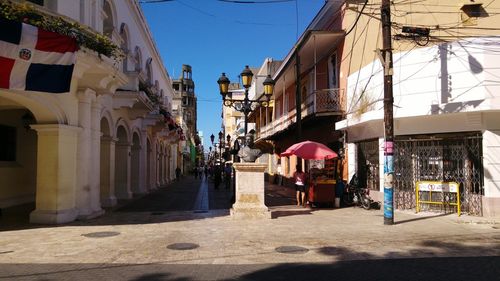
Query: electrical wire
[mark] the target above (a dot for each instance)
(154, 1)
(255, 2)
(357, 19)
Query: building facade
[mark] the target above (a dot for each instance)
(329, 89)
(446, 99)
(309, 94)
(76, 153)
(185, 108)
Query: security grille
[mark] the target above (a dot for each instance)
(446, 158)
(368, 164)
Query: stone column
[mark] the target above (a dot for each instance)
(84, 158)
(95, 162)
(122, 172)
(156, 153)
(167, 164)
(250, 191)
(143, 158)
(135, 168)
(491, 162)
(107, 171)
(56, 174)
(152, 166)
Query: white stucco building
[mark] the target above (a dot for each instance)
(446, 89)
(75, 153)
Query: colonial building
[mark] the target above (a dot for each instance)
(75, 153)
(308, 95)
(329, 89)
(446, 99)
(185, 108)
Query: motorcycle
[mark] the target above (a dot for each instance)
(354, 195)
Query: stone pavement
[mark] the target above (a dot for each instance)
(178, 234)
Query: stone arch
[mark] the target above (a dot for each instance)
(44, 108)
(109, 21)
(19, 170)
(107, 161)
(149, 157)
(107, 121)
(135, 162)
(122, 161)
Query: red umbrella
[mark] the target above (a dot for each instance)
(310, 150)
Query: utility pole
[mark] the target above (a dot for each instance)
(388, 114)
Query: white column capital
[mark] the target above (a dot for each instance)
(86, 95)
(56, 129)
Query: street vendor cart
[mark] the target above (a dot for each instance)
(322, 182)
(322, 169)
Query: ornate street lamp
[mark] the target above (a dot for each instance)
(246, 106)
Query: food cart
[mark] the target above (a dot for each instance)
(322, 182)
(323, 168)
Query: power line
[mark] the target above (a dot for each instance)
(154, 1)
(255, 2)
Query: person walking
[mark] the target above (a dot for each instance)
(279, 172)
(227, 175)
(299, 178)
(178, 173)
(217, 176)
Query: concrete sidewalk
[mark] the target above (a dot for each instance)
(313, 237)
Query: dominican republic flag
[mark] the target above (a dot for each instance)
(33, 59)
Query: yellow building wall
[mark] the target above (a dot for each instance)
(446, 20)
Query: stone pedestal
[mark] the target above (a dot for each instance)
(250, 191)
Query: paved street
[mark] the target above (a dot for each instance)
(184, 232)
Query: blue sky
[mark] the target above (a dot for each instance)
(215, 36)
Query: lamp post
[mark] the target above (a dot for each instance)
(246, 106)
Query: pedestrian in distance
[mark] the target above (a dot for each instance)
(206, 171)
(227, 175)
(200, 172)
(178, 173)
(195, 172)
(217, 176)
(279, 173)
(299, 178)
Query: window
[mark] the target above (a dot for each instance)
(304, 95)
(333, 82)
(138, 59)
(7, 143)
(176, 87)
(108, 23)
(124, 45)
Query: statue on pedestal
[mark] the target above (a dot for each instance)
(248, 153)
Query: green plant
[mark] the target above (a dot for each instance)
(364, 103)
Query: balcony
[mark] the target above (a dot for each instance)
(328, 102)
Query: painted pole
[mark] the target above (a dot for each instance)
(388, 115)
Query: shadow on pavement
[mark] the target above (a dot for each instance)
(432, 268)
